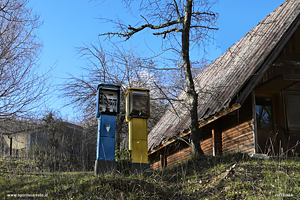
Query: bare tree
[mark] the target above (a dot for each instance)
(21, 87)
(183, 24)
(116, 65)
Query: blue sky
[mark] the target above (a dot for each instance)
(71, 23)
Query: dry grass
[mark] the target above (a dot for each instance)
(201, 177)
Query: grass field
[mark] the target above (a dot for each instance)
(235, 176)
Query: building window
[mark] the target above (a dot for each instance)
(264, 115)
(292, 100)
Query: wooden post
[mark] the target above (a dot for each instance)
(216, 141)
(254, 122)
(163, 158)
(10, 146)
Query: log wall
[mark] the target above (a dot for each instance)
(154, 160)
(239, 138)
(179, 156)
(207, 146)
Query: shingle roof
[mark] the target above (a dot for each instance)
(231, 77)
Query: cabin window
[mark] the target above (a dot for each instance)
(292, 100)
(264, 116)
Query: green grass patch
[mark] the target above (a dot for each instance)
(234, 176)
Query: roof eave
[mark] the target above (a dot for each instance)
(262, 68)
(202, 123)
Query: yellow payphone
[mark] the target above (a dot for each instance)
(137, 114)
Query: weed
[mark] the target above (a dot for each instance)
(235, 176)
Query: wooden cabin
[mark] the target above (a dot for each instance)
(249, 97)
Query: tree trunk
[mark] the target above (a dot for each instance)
(192, 94)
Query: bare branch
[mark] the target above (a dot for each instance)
(145, 19)
(168, 31)
(21, 87)
(177, 10)
(168, 100)
(132, 31)
(206, 27)
(204, 13)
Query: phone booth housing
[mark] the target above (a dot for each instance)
(107, 108)
(137, 114)
(108, 99)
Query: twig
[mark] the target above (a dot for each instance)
(167, 99)
(229, 171)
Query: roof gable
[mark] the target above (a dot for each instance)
(232, 76)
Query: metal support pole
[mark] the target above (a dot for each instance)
(10, 146)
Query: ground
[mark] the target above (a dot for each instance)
(235, 176)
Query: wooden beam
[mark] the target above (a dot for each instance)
(291, 77)
(254, 122)
(287, 63)
(213, 142)
(217, 140)
(163, 158)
